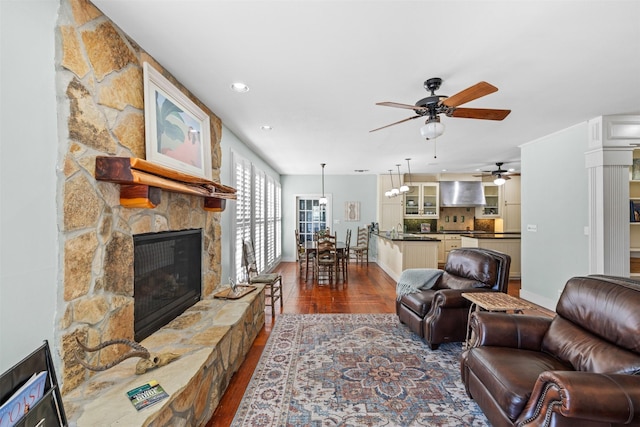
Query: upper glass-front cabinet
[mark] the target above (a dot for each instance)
(493, 198)
(421, 201)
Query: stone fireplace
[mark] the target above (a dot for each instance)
(101, 113)
(167, 274)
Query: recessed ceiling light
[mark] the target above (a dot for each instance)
(240, 87)
(266, 127)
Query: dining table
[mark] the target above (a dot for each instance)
(310, 249)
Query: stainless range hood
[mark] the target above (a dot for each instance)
(461, 194)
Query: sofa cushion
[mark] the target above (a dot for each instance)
(450, 281)
(586, 351)
(509, 374)
(614, 316)
(596, 329)
(470, 269)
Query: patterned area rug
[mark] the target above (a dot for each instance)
(355, 370)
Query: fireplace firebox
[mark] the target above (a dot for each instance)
(167, 277)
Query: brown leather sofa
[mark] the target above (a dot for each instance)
(440, 314)
(581, 368)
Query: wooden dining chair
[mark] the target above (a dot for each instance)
(343, 256)
(272, 281)
(326, 259)
(361, 250)
(303, 257)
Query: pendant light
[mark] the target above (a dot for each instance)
(394, 191)
(403, 188)
(323, 200)
(408, 169)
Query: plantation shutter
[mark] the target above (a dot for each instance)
(243, 211)
(259, 219)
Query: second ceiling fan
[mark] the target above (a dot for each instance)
(434, 105)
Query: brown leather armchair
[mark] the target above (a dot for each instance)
(440, 314)
(581, 368)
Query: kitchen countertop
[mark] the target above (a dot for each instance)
(426, 237)
(406, 237)
(494, 236)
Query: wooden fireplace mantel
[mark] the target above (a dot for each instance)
(141, 183)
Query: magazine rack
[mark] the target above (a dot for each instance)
(48, 411)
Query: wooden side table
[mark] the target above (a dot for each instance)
(491, 301)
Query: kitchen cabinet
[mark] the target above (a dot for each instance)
(511, 212)
(493, 197)
(390, 212)
(422, 201)
(451, 241)
(506, 243)
(441, 257)
(397, 255)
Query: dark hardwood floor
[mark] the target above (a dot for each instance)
(368, 290)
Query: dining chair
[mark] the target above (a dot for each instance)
(303, 256)
(272, 281)
(361, 250)
(326, 259)
(343, 256)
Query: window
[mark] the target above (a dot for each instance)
(258, 216)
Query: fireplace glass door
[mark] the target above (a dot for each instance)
(167, 277)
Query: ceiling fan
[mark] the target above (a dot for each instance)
(433, 105)
(500, 175)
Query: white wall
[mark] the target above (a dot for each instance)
(28, 154)
(341, 189)
(554, 200)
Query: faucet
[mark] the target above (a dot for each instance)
(400, 228)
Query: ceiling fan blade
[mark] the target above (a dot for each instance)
(469, 94)
(396, 123)
(480, 113)
(398, 105)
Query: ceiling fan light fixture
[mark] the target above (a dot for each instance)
(499, 180)
(432, 129)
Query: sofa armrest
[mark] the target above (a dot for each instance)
(509, 330)
(606, 398)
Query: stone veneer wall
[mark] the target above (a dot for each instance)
(100, 112)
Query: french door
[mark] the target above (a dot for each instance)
(312, 216)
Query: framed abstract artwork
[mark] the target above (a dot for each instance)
(177, 131)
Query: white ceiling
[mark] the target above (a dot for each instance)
(316, 69)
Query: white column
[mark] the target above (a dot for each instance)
(608, 159)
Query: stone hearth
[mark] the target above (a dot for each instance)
(212, 337)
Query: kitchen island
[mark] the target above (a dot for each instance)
(508, 243)
(398, 252)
